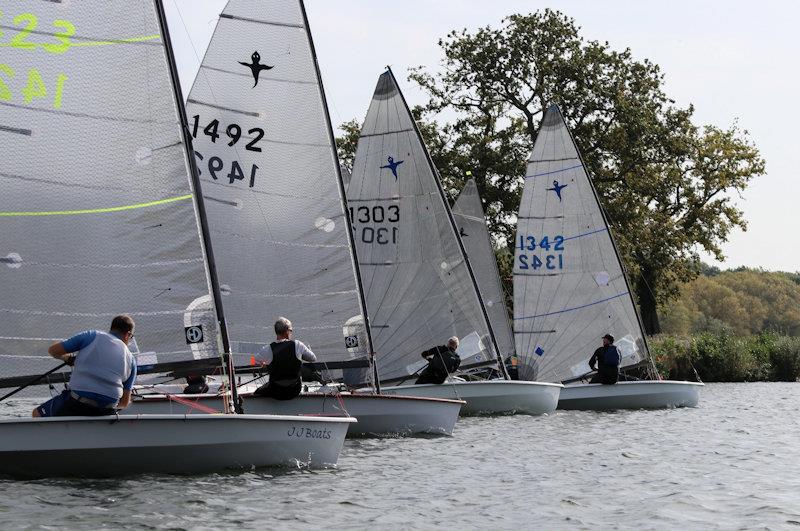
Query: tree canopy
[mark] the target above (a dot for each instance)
(741, 301)
(667, 185)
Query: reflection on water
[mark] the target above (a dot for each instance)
(733, 462)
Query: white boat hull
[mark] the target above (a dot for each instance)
(170, 444)
(490, 397)
(378, 415)
(646, 394)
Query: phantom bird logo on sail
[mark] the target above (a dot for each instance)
(256, 67)
(557, 189)
(392, 165)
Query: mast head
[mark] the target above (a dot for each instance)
(552, 116)
(386, 87)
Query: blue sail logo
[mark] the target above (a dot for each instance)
(392, 165)
(557, 189)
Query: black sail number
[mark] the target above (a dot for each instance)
(233, 133)
(375, 224)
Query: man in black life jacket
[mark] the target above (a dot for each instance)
(607, 359)
(442, 361)
(284, 359)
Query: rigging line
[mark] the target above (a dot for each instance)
(98, 210)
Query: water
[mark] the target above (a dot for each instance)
(731, 463)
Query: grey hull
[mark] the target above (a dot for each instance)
(168, 444)
(377, 415)
(492, 397)
(655, 394)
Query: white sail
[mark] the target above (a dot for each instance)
(97, 215)
(271, 182)
(468, 213)
(569, 285)
(417, 284)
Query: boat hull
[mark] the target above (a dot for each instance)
(378, 415)
(169, 444)
(649, 394)
(490, 397)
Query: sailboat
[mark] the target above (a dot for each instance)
(570, 287)
(100, 212)
(419, 285)
(275, 207)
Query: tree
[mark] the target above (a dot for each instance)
(665, 183)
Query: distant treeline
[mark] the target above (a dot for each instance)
(739, 325)
(722, 357)
(741, 302)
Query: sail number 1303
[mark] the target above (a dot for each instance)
(376, 224)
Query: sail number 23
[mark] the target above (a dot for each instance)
(15, 85)
(545, 244)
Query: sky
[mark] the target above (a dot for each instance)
(734, 60)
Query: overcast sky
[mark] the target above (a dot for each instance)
(731, 59)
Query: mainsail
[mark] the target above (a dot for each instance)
(273, 196)
(97, 212)
(468, 213)
(418, 286)
(569, 285)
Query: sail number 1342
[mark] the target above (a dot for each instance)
(547, 252)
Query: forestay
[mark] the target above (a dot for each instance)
(417, 285)
(97, 215)
(272, 192)
(469, 216)
(569, 286)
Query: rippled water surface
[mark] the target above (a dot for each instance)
(733, 462)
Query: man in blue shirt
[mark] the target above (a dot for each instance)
(102, 375)
(605, 361)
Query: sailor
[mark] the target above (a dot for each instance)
(442, 362)
(284, 360)
(103, 372)
(605, 361)
(196, 384)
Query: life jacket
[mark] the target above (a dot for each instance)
(611, 356)
(284, 370)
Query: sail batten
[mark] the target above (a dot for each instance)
(569, 285)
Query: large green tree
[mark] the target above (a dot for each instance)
(666, 184)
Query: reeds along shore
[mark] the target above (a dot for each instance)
(723, 357)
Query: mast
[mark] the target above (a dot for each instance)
(613, 243)
(343, 197)
(194, 176)
(500, 364)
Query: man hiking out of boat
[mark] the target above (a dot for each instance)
(103, 372)
(442, 362)
(605, 361)
(284, 360)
